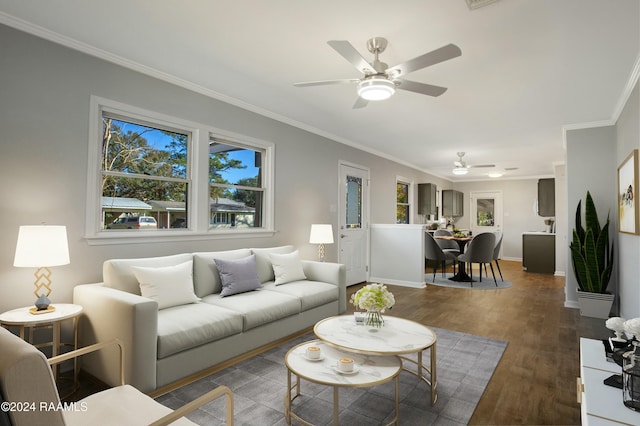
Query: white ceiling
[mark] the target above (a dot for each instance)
(528, 67)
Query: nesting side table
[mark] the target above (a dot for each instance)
(370, 371)
(26, 321)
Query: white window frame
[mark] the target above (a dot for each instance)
(198, 186)
(410, 189)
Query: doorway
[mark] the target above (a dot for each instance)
(353, 222)
(486, 212)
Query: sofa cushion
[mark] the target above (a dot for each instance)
(117, 273)
(287, 267)
(167, 285)
(258, 307)
(310, 293)
(238, 275)
(187, 326)
(265, 268)
(206, 277)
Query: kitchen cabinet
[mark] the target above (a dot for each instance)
(427, 199)
(452, 203)
(547, 197)
(539, 252)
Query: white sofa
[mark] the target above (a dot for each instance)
(167, 344)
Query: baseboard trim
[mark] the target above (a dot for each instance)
(412, 284)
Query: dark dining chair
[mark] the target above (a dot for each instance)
(432, 251)
(480, 250)
(496, 252)
(443, 232)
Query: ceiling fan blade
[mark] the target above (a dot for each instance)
(326, 82)
(347, 51)
(442, 54)
(458, 164)
(483, 166)
(360, 103)
(422, 88)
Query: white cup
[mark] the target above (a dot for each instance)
(313, 352)
(345, 365)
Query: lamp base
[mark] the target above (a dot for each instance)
(36, 311)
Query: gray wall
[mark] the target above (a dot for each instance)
(591, 166)
(518, 199)
(44, 122)
(628, 247)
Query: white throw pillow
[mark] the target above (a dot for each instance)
(287, 267)
(168, 285)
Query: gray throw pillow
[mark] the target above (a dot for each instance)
(238, 275)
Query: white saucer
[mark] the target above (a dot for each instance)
(347, 373)
(313, 359)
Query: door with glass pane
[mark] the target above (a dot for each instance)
(486, 211)
(354, 222)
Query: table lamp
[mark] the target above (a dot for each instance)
(41, 247)
(321, 234)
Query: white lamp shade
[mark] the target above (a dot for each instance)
(41, 246)
(321, 234)
(460, 171)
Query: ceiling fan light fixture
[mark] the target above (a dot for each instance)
(495, 174)
(460, 171)
(376, 89)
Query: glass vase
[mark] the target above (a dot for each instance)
(631, 378)
(374, 319)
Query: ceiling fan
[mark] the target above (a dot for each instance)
(462, 168)
(381, 81)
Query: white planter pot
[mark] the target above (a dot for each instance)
(595, 305)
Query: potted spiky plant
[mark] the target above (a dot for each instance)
(592, 260)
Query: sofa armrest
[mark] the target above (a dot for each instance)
(114, 314)
(332, 273)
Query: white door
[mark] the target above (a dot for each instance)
(354, 222)
(486, 211)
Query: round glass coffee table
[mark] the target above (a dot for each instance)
(398, 336)
(368, 371)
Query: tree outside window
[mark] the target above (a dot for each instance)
(235, 185)
(144, 173)
(402, 202)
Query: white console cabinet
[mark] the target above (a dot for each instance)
(600, 404)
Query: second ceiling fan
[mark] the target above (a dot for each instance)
(462, 168)
(381, 81)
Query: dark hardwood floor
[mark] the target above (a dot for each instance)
(535, 381)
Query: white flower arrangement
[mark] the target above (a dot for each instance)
(616, 324)
(373, 298)
(632, 327)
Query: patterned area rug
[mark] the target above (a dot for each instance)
(465, 364)
(486, 284)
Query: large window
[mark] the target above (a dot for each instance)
(402, 202)
(236, 185)
(153, 176)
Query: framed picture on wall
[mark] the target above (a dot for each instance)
(628, 220)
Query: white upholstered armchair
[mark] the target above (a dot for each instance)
(29, 395)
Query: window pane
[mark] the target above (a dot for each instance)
(354, 202)
(139, 149)
(124, 197)
(238, 209)
(485, 208)
(234, 165)
(402, 190)
(233, 171)
(402, 213)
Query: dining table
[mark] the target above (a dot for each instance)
(461, 275)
